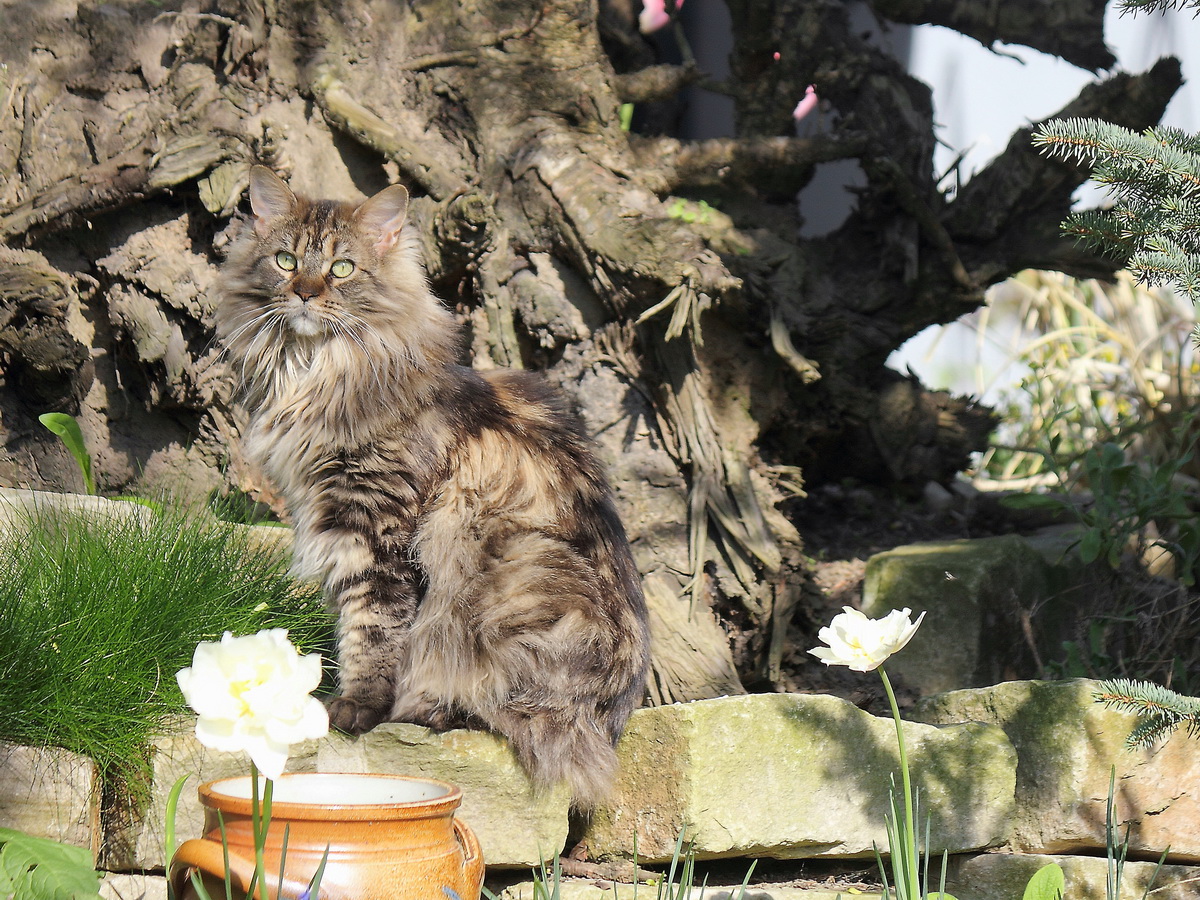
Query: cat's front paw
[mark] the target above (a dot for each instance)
(354, 716)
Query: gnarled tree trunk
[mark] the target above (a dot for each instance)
(718, 357)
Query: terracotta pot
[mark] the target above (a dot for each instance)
(389, 837)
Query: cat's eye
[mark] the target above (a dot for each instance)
(341, 268)
(285, 260)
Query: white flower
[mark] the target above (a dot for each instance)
(252, 693)
(862, 643)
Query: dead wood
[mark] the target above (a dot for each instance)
(719, 357)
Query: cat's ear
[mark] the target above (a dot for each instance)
(269, 197)
(382, 216)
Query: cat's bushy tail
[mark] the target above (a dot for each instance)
(565, 746)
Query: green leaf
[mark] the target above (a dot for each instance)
(1089, 546)
(172, 806)
(1047, 883)
(143, 501)
(41, 869)
(626, 116)
(68, 432)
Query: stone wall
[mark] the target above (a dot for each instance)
(1007, 775)
(1011, 776)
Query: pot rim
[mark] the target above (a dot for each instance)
(211, 797)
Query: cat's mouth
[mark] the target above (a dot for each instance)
(302, 319)
(304, 323)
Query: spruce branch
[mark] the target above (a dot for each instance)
(1153, 180)
(1159, 710)
(1136, 6)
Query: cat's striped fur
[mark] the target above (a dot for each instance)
(459, 522)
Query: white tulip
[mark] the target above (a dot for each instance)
(863, 643)
(252, 693)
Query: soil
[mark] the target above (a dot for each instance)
(848, 876)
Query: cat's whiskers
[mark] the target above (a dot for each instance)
(257, 346)
(264, 350)
(342, 326)
(256, 317)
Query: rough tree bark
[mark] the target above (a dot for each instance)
(719, 358)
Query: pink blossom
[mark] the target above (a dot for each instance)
(805, 106)
(654, 15)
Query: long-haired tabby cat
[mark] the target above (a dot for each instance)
(458, 520)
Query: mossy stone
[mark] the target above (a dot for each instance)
(1003, 876)
(973, 592)
(1067, 746)
(793, 776)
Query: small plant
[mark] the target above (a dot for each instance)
(68, 432)
(34, 868)
(1048, 883)
(864, 644)
(1128, 501)
(94, 610)
(677, 883)
(1117, 851)
(252, 694)
(690, 211)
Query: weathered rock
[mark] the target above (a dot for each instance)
(135, 886)
(1067, 745)
(1003, 876)
(516, 825)
(50, 793)
(134, 830)
(974, 592)
(791, 776)
(18, 507)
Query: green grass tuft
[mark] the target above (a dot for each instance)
(97, 614)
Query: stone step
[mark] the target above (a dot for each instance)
(790, 776)
(50, 793)
(584, 889)
(1003, 876)
(516, 825)
(1067, 745)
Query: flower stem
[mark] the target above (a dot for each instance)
(909, 834)
(260, 820)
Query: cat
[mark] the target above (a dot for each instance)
(458, 520)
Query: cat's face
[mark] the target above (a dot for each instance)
(311, 270)
(330, 299)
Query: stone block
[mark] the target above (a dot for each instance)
(973, 592)
(1067, 745)
(50, 793)
(19, 506)
(134, 829)
(1003, 876)
(517, 825)
(133, 886)
(793, 776)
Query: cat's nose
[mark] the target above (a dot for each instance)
(305, 294)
